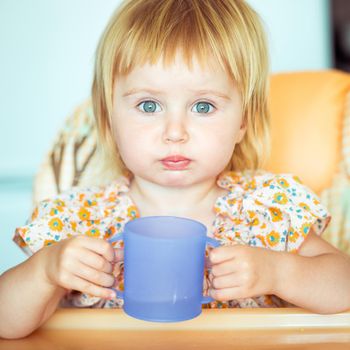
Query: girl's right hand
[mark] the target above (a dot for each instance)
(84, 264)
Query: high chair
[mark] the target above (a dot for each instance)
(310, 138)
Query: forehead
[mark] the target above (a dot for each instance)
(178, 71)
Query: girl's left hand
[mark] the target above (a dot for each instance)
(240, 271)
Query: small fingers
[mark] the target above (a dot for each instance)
(223, 268)
(221, 254)
(99, 246)
(226, 281)
(87, 287)
(97, 277)
(227, 294)
(96, 261)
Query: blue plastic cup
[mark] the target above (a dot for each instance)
(164, 258)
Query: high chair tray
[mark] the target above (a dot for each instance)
(276, 328)
(210, 320)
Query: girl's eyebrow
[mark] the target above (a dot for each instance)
(157, 92)
(138, 90)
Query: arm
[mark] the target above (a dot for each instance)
(26, 298)
(31, 291)
(321, 270)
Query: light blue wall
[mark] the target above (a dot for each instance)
(46, 60)
(298, 32)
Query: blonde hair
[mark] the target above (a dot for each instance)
(229, 31)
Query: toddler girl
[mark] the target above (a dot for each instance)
(179, 97)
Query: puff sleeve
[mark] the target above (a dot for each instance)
(53, 220)
(275, 212)
(95, 212)
(99, 212)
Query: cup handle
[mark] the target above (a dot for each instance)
(214, 243)
(116, 238)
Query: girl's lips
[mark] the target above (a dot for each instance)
(176, 162)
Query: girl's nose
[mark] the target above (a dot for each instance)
(175, 131)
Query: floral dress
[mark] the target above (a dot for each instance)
(259, 209)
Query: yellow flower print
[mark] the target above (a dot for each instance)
(54, 211)
(304, 206)
(84, 214)
(56, 224)
(221, 229)
(273, 238)
(20, 236)
(237, 235)
(93, 232)
(48, 242)
(267, 183)
(74, 226)
(90, 203)
(255, 222)
(22, 231)
(92, 222)
(109, 232)
(280, 198)
(237, 221)
(293, 235)
(231, 201)
(251, 185)
(59, 203)
(132, 212)
(20, 241)
(283, 182)
(112, 197)
(258, 202)
(297, 179)
(315, 201)
(276, 214)
(253, 216)
(262, 239)
(217, 210)
(305, 229)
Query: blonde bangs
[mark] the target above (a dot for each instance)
(228, 33)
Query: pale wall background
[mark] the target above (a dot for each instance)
(47, 51)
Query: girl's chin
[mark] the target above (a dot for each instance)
(174, 179)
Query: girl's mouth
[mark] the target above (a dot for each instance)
(176, 162)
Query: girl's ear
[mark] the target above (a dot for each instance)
(241, 132)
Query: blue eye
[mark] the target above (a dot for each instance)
(148, 106)
(204, 107)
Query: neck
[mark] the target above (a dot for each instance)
(153, 199)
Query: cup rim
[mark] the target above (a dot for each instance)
(154, 217)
